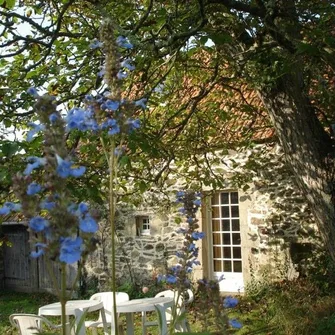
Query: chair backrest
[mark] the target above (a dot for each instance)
(179, 301)
(28, 324)
(107, 300)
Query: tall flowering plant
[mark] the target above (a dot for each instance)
(62, 230)
(179, 275)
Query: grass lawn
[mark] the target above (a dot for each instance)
(14, 302)
(286, 310)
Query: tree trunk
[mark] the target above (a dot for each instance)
(308, 148)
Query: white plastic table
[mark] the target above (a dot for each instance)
(145, 305)
(77, 308)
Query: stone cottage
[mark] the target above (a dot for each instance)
(256, 225)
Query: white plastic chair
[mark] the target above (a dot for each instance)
(180, 302)
(29, 324)
(107, 300)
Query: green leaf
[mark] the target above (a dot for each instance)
(143, 186)
(9, 4)
(221, 38)
(124, 161)
(9, 149)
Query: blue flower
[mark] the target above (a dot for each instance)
(123, 42)
(112, 105)
(38, 223)
(48, 205)
(134, 124)
(33, 188)
(78, 172)
(12, 206)
(102, 72)
(141, 103)
(180, 194)
(35, 130)
(170, 279)
(121, 75)
(89, 97)
(126, 63)
(32, 91)
(88, 224)
(65, 169)
(4, 210)
(114, 127)
(230, 302)
(53, 117)
(191, 247)
(96, 44)
(40, 250)
(160, 278)
(70, 249)
(197, 202)
(198, 235)
(182, 231)
(83, 208)
(81, 119)
(235, 324)
(36, 162)
(182, 210)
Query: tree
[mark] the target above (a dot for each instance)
(191, 58)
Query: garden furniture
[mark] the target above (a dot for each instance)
(179, 302)
(29, 324)
(158, 304)
(107, 299)
(78, 309)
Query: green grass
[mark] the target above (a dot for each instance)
(290, 308)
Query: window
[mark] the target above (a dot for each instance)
(226, 232)
(142, 225)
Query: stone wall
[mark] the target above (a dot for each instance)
(278, 222)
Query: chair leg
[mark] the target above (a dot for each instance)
(144, 319)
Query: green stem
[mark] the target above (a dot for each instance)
(63, 298)
(112, 175)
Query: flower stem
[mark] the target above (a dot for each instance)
(112, 175)
(63, 298)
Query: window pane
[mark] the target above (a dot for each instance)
(215, 199)
(225, 198)
(225, 225)
(216, 225)
(217, 252)
(235, 224)
(227, 266)
(226, 238)
(237, 252)
(234, 211)
(216, 238)
(226, 252)
(215, 212)
(236, 238)
(234, 197)
(225, 212)
(237, 266)
(217, 266)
